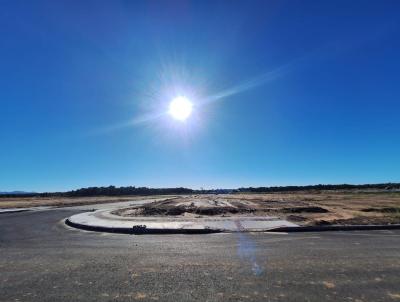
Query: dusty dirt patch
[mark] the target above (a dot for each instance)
(383, 210)
(304, 208)
(201, 206)
(27, 202)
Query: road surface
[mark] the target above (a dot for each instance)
(43, 260)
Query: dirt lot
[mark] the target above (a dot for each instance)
(304, 208)
(26, 202)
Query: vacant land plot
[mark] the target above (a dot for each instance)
(26, 202)
(304, 208)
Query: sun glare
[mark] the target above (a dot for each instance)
(180, 108)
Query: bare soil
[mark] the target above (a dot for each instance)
(304, 208)
(204, 205)
(27, 202)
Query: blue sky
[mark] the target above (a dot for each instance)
(284, 92)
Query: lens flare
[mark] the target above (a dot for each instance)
(180, 108)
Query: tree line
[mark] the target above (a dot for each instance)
(132, 190)
(382, 186)
(107, 191)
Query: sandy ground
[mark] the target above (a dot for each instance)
(27, 202)
(304, 208)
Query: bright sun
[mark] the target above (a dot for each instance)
(180, 108)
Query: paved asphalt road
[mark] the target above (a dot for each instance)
(43, 260)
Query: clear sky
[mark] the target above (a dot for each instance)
(283, 92)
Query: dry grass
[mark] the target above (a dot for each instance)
(27, 202)
(342, 207)
(304, 208)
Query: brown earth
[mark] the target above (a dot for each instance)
(27, 202)
(304, 208)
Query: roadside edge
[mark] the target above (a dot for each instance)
(139, 229)
(336, 228)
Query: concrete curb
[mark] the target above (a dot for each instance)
(19, 210)
(336, 228)
(142, 230)
(139, 229)
(5, 211)
(105, 221)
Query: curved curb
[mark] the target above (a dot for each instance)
(105, 221)
(139, 229)
(336, 228)
(5, 211)
(142, 230)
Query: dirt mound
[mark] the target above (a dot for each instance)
(305, 210)
(382, 210)
(296, 218)
(180, 210)
(180, 206)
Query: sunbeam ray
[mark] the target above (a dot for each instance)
(252, 83)
(131, 123)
